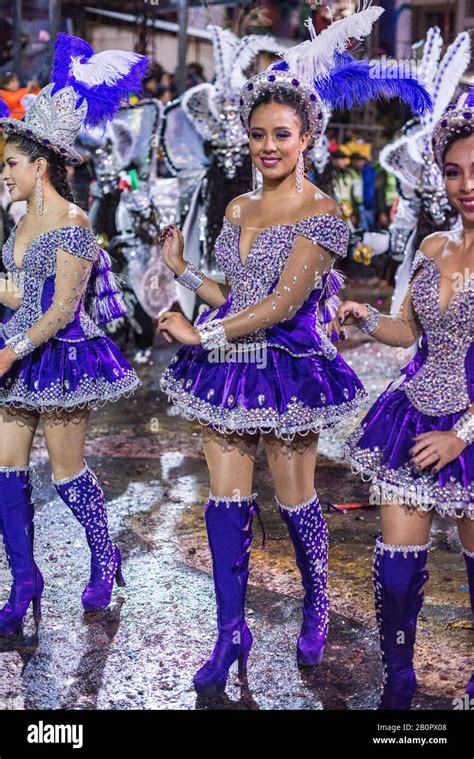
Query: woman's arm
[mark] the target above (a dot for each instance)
(212, 292)
(303, 271)
(72, 274)
(402, 330)
(10, 293)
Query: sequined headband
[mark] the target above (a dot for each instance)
(458, 121)
(273, 80)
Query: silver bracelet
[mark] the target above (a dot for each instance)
(371, 323)
(21, 344)
(212, 334)
(464, 428)
(192, 278)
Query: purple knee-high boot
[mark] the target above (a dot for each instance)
(469, 559)
(16, 526)
(85, 497)
(229, 531)
(309, 534)
(399, 575)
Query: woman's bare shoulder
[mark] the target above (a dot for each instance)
(237, 207)
(434, 244)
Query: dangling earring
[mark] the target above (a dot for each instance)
(254, 177)
(39, 196)
(300, 172)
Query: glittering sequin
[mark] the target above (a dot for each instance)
(440, 385)
(39, 264)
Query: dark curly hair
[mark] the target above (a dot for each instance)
(289, 98)
(57, 172)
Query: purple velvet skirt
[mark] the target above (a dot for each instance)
(378, 449)
(272, 392)
(63, 374)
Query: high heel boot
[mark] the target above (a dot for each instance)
(229, 530)
(309, 534)
(16, 526)
(85, 497)
(398, 575)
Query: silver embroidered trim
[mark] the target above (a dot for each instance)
(464, 428)
(372, 321)
(72, 477)
(298, 420)
(298, 506)
(382, 547)
(228, 499)
(422, 493)
(90, 394)
(8, 469)
(468, 552)
(21, 344)
(212, 334)
(191, 278)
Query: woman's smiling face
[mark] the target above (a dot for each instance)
(459, 176)
(275, 140)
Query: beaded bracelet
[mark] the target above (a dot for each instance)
(192, 278)
(212, 334)
(371, 322)
(21, 344)
(464, 428)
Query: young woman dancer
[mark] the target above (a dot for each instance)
(55, 361)
(416, 441)
(277, 248)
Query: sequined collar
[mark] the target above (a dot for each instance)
(12, 238)
(437, 270)
(273, 226)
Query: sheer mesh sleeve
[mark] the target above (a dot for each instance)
(401, 330)
(72, 274)
(10, 292)
(303, 271)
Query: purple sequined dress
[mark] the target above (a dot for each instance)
(301, 383)
(79, 366)
(432, 392)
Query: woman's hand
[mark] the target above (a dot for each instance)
(7, 359)
(347, 313)
(172, 246)
(435, 448)
(172, 324)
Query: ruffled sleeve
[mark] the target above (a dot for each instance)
(327, 230)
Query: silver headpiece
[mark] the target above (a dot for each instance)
(410, 157)
(458, 121)
(86, 88)
(52, 120)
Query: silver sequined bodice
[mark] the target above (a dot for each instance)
(36, 279)
(440, 386)
(252, 281)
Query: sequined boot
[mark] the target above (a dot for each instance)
(16, 526)
(398, 574)
(229, 531)
(84, 496)
(469, 559)
(309, 534)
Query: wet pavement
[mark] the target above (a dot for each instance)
(143, 651)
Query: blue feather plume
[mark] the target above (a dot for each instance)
(351, 83)
(120, 76)
(4, 110)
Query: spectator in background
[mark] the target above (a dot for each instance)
(13, 94)
(366, 171)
